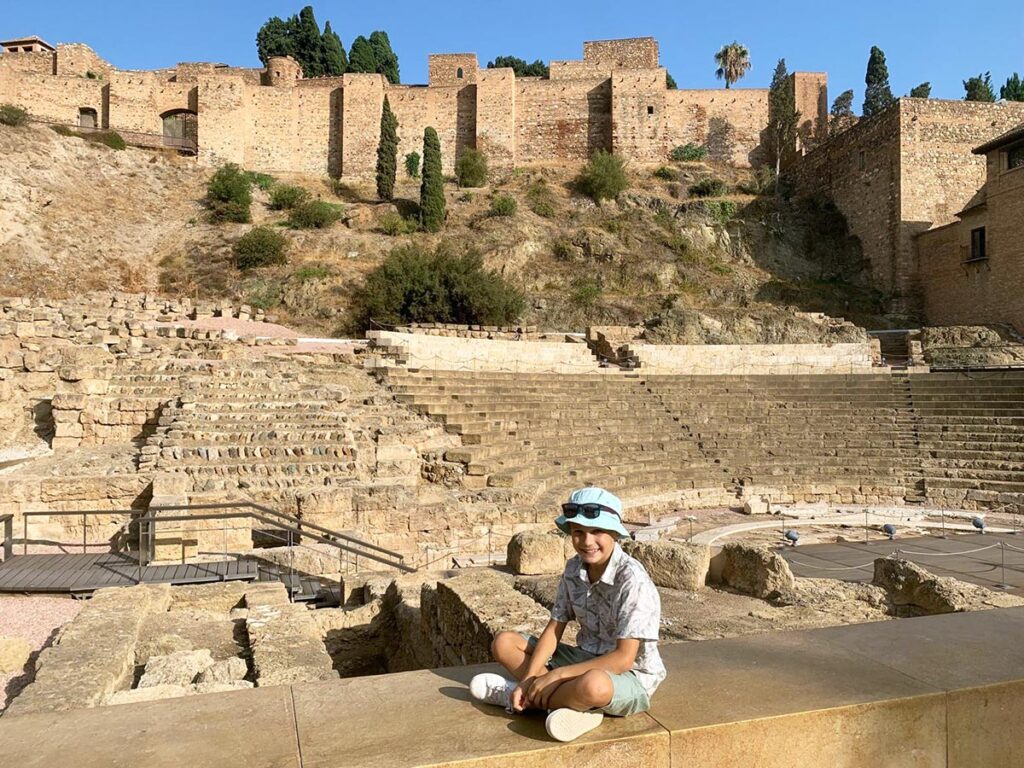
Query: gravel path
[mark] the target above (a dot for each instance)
(35, 619)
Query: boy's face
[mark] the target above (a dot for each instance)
(593, 545)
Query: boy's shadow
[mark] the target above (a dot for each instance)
(530, 724)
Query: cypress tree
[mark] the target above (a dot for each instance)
(274, 39)
(878, 95)
(841, 115)
(385, 57)
(1013, 90)
(335, 60)
(361, 57)
(309, 44)
(782, 115)
(979, 88)
(432, 213)
(922, 91)
(387, 153)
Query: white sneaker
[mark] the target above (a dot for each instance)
(490, 688)
(568, 724)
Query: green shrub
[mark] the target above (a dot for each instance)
(465, 197)
(393, 224)
(723, 211)
(761, 183)
(412, 165)
(260, 247)
(314, 214)
(12, 115)
(585, 292)
(688, 153)
(562, 250)
(665, 173)
(262, 180)
(471, 168)
(263, 294)
(540, 199)
(311, 272)
(341, 189)
(709, 187)
(229, 194)
(287, 196)
(111, 139)
(603, 177)
(503, 205)
(63, 130)
(417, 285)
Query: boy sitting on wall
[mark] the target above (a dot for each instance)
(616, 667)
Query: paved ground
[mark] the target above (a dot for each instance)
(977, 558)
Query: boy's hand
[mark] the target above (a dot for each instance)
(518, 699)
(540, 690)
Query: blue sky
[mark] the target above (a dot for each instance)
(941, 41)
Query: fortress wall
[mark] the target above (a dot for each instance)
(728, 122)
(53, 97)
(79, 59)
(224, 120)
(362, 102)
(413, 107)
(137, 99)
(270, 142)
(496, 116)
(631, 53)
(578, 70)
(295, 129)
(810, 92)
(318, 129)
(639, 115)
(562, 119)
(37, 62)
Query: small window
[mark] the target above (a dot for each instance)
(87, 118)
(650, 110)
(978, 244)
(1015, 158)
(458, 73)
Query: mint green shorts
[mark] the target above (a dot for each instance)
(628, 695)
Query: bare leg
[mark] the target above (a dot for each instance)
(591, 690)
(511, 650)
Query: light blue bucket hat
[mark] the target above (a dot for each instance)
(609, 519)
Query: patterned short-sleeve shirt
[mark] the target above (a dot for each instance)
(624, 603)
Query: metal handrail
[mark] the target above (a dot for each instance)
(143, 139)
(145, 531)
(8, 545)
(73, 512)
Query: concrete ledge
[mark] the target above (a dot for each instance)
(942, 691)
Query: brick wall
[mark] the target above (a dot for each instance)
(639, 114)
(563, 119)
(496, 116)
(633, 53)
(728, 122)
(79, 59)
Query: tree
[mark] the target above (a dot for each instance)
(432, 207)
(979, 88)
(783, 118)
(387, 153)
(520, 67)
(274, 38)
(335, 60)
(385, 58)
(922, 91)
(841, 115)
(1013, 90)
(309, 44)
(670, 82)
(733, 63)
(361, 57)
(878, 95)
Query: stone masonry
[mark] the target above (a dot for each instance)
(275, 120)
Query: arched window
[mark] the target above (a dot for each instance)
(181, 129)
(87, 118)
(458, 73)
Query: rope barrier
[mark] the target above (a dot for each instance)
(822, 568)
(1010, 546)
(947, 554)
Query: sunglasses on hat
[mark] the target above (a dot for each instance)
(589, 511)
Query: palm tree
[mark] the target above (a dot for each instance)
(733, 62)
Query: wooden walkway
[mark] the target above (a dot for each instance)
(89, 572)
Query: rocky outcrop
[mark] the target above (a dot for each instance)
(756, 570)
(914, 591)
(672, 564)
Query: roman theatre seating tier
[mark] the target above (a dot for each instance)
(862, 438)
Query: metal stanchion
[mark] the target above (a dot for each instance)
(1002, 565)
(865, 526)
(942, 512)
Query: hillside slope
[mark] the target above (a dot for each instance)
(78, 216)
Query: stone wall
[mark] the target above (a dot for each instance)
(562, 119)
(752, 359)
(902, 172)
(631, 53)
(79, 59)
(728, 123)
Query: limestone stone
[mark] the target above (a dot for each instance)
(221, 687)
(755, 505)
(532, 553)
(14, 652)
(917, 591)
(150, 693)
(756, 570)
(286, 645)
(226, 671)
(180, 668)
(672, 564)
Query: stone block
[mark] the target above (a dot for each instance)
(755, 506)
(14, 653)
(151, 693)
(234, 685)
(756, 570)
(181, 668)
(531, 553)
(672, 564)
(226, 671)
(919, 592)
